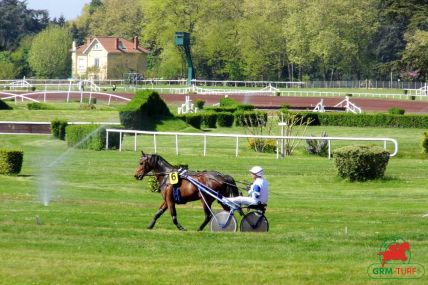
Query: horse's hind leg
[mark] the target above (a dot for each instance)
(208, 217)
(159, 213)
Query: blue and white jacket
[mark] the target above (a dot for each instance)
(259, 190)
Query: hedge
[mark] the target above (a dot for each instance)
(225, 119)
(367, 120)
(58, 128)
(195, 120)
(424, 143)
(4, 105)
(143, 110)
(91, 137)
(360, 162)
(11, 161)
(209, 119)
(221, 109)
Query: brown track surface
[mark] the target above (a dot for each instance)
(264, 101)
(371, 105)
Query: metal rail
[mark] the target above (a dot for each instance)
(240, 136)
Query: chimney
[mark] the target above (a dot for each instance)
(88, 41)
(136, 42)
(117, 43)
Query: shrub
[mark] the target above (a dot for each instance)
(37, 106)
(195, 120)
(396, 111)
(145, 108)
(58, 128)
(361, 163)
(424, 143)
(318, 147)
(251, 118)
(200, 104)
(209, 119)
(228, 102)
(262, 145)
(225, 119)
(91, 137)
(11, 161)
(4, 105)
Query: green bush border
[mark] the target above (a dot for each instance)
(11, 161)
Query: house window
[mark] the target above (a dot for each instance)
(81, 65)
(97, 47)
(121, 45)
(96, 62)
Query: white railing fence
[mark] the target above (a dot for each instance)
(237, 137)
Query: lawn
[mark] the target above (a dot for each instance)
(323, 230)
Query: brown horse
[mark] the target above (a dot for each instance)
(222, 184)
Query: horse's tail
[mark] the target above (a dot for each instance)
(231, 188)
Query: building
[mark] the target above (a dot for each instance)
(108, 58)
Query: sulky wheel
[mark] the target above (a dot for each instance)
(254, 222)
(223, 222)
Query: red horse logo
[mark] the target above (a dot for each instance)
(396, 251)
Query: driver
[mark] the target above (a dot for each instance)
(259, 190)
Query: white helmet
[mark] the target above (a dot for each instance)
(257, 171)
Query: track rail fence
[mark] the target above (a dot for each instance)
(237, 137)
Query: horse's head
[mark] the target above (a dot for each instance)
(145, 166)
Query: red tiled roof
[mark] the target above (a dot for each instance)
(110, 45)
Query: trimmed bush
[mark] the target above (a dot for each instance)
(209, 119)
(225, 119)
(142, 112)
(200, 104)
(195, 120)
(228, 102)
(424, 143)
(396, 111)
(250, 118)
(58, 128)
(4, 105)
(361, 163)
(37, 106)
(11, 161)
(91, 137)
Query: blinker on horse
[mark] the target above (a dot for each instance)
(220, 183)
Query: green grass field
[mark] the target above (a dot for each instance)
(323, 230)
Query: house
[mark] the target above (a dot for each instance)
(108, 58)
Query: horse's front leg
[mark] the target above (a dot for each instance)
(159, 213)
(208, 215)
(171, 206)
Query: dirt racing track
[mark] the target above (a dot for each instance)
(260, 101)
(263, 101)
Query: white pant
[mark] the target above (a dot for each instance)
(241, 200)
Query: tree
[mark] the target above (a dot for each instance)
(119, 18)
(17, 21)
(415, 56)
(49, 54)
(8, 69)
